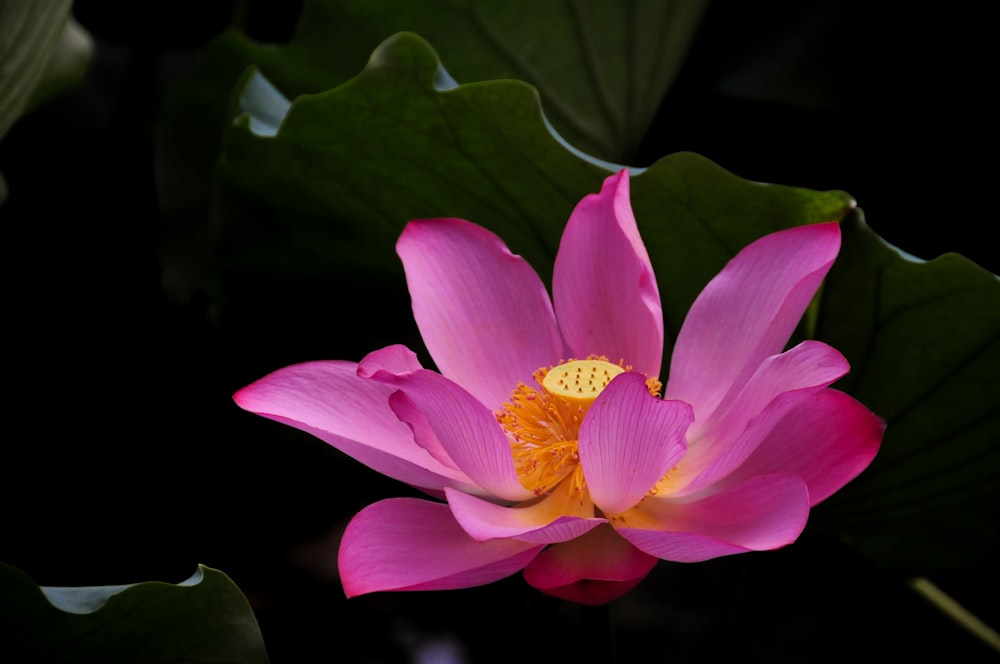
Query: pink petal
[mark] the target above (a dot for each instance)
(411, 544)
(423, 432)
(396, 359)
(629, 440)
(827, 439)
(756, 514)
(399, 359)
(554, 518)
(603, 286)
(593, 569)
(483, 312)
(732, 434)
(466, 430)
(747, 313)
(329, 400)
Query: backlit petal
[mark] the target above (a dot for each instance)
(629, 440)
(411, 544)
(466, 430)
(484, 313)
(756, 514)
(550, 519)
(603, 286)
(330, 401)
(747, 313)
(593, 569)
(826, 439)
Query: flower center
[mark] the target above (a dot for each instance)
(543, 423)
(580, 381)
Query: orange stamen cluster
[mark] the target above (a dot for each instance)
(543, 431)
(543, 423)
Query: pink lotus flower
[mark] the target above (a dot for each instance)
(544, 433)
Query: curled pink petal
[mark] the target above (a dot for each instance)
(629, 440)
(484, 313)
(357, 421)
(827, 439)
(592, 569)
(604, 291)
(423, 432)
(809, 365)
(747, 313)
(550, 519)
(466, 430)
(395, 359)
(755, 514)
(778, 384)
(412, 544)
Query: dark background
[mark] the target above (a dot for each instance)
(126, 460)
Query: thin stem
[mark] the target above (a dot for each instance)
(956, 612)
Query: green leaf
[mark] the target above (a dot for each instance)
(329, 193)
(601, 68)
(479, 151)
(201, 620)
(923, 339)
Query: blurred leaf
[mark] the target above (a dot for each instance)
(68, 64)
(202, 620)
(29, 36)
(923, 339)
(43, 51)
